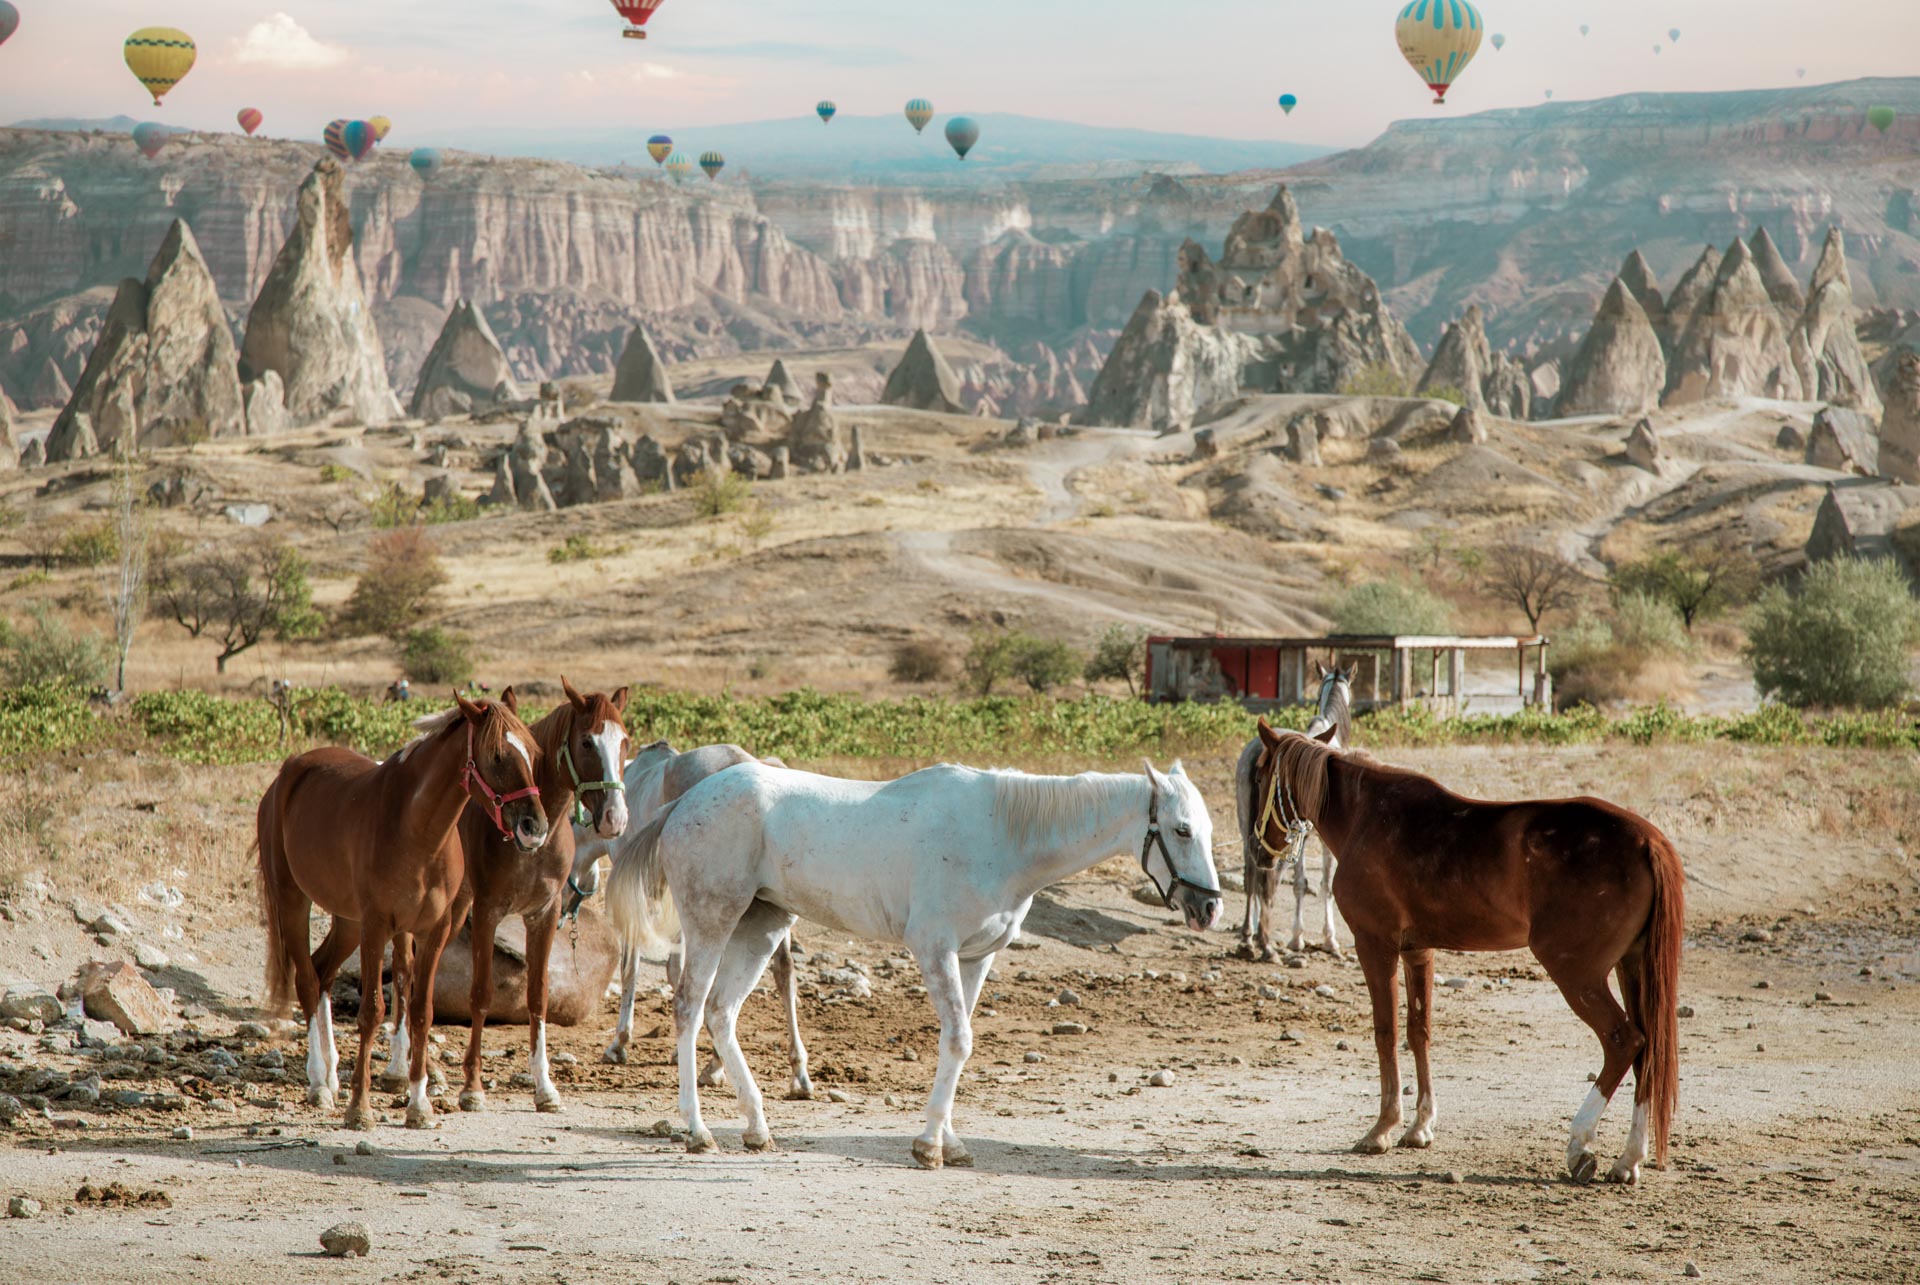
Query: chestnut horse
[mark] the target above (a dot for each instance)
(1589, 888)
(582, 744)
(375, 845)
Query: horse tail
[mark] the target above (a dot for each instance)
(639, 898)
(279, 961)
(1659, 1070)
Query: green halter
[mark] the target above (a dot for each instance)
(580, 787)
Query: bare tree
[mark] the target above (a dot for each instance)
(126, 575)
(238, 596)
(44, 537)
(1532, 577)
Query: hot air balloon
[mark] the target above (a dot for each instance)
(962, 134)
(335, 137)
(1584, 28)
(712, 163)
(1549, 93)
(359, 139)
(381, 128)
(1438, 38)
(426, 162)
(9, 20)
(679, 166)
(250, 119)
(159, 57)
(150, 138)
(1288, 102)
(919, 112)
(659, 147)
(1801, 72)
(1881, 118)
(826, 109)
(636, 12)
(1656, 49)
(1673, 34)
(1499, 42)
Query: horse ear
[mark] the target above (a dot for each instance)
(574, 698)
(511, 701)
(1153, 775)
(474, 713)
(619, 701)
(1268, 736)
(1325, 735)
(1319, 670)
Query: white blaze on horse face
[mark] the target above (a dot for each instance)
(513, 739)
(606, 742)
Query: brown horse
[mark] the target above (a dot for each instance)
(582, 744)
(375, 845)
(1589, 888)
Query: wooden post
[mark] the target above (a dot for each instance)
(1542, 681)
(1456, 675)
(1402, 677)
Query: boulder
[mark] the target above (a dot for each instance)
(503, 494)
(641, 375)
(1861, 519)
(1825, 343)
(754, 465)
(312, 323)
(466, 372)
(1461, 361)
(609, 465)
(31, 1002)
(1508, 391)
(441, 488)
(117, 993)
(1468, 427)
(579, 486)
(1736, 343)
(1790, 438)
(1543, 382)
(1303, 439)
(1619, 369)
(782, 464)
(1643, 447)
(1844, 440)
(1900, 426)
(755, 412)
(164, 369)
(265, 403)
(649, 461)
(856, 452)
(34, 455)
(923, 380)
(528, 459)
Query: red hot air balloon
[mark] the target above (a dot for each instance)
(636, 12)
(250, 119)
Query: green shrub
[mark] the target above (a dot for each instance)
(1650, 625)
(331, 473)
(1698, 583)
(919, 660)
(1120, 654)
(48, 652)
(91, 546)
(988, 662)
(580, 548)
(1446, 393)
(716, 494)
(1377, 380)
(437, 656)
(451, 508)
(1044, 663)
(1391, 607)
(1844, 639)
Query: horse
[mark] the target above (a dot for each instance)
(1262, 866)
(1588, 887)
(945, 861)
(657, 776)
(376, 846)
(582, 746)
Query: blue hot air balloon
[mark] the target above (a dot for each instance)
(826, 109)
(426, 162)
(359, 138)
(1288, 102)
(1499, 41)
(679, 166)
(962, 134)
(150, 137)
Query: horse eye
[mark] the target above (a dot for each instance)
(1184, 831)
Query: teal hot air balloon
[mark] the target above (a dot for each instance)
(150, 137)
(825, 109)
(1584, 29)
(711, 163)
(359, 138)
(962, 134)
(1288, 102)
(1673, 34)
(679, 167)
(1499, 41)
(9, 20)
(919, 112)
(426, 162)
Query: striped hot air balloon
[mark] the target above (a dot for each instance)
(636, 12)
(825, 109)
(919, 112)
(659, 147)
(9, 20)
(1438, 38)
(150, 137)
(679, 166)
(962, 134)
(712, 163)
(335, 137)
(250, 119)
(159, 58)
(426, 162)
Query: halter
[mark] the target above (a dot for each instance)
(1153, 837)
(580, 787)
(491, 801)
(1288, 814)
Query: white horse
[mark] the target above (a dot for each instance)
(656, 777)
(945, 861)
(1262, 868)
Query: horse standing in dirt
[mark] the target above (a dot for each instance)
(945, 861)
(1589, 888)
(656, 777)
(1263, 865)
(375, 845)
(582, 745)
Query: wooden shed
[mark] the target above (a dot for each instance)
(1404, 671)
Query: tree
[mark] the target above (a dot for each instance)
(238, 596)
(1700, 582)
(1121, 653)
(126, 578)
(919, 660)
(1391, 607)
(397, 587)
(1844, 639)
(45, 538)
(989, 660)
(1531, 577)
(1044, 663)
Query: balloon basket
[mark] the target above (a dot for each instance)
(634, 33)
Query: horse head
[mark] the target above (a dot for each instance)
(595, 753)
(499, 775)
(1179, 825)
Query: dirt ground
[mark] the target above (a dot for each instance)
(1797, 1153)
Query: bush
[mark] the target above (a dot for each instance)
(1377, 380)
(331, 473)
(989, 660)
(1599, 662)
(47, 651)
(1391, 607)
(1446, 393)
(396, 589)
(437, 656)
(921, 660)
(580, 548)
(716, 494)
(1650, 626)
(1120, 654)
(91, 546)
(1044, 663)
(1843, 640)
(1699, 583)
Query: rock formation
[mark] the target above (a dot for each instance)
(1643, 447)
(1776, 275)
(1619, 369)
(9, 445)
(1461, 361)
(1468, 427)
(466, 371)
(1508, 391)
(779, 379)
(265, 403)
(1166, 367)
(923, 380)
(71, 438)
(1636, 274)
(815, 444)
(641, 376)
(164, 370)
(1825, 344)
(1900, 426)
(311, 323)
(1844, 440)
(1736, 343)
(1696, 284)
(1863, 519)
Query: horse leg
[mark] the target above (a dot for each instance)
(1249, 880)
(973, 975)
(399, 1055)
(1621, 1043)
(629, 983)
(1268, 883)
(699, 965)
(1419, 966)
(1301, 887)
(473, 1095)
(373, 947)
(940, 968)
(760, 932)
(424, 967)
(1376, 961)
(540, 935)
(342, 939)
(323, 1077)
(1626, 1169)
(801, 1089)
(1326, 900)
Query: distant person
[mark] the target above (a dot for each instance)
(399, 691)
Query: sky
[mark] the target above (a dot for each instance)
(1212, 67)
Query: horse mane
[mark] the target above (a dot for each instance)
(489, 736)
(1027, 808)
(1301, 763)
(1336, 711)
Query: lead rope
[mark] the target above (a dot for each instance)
(1288, 814)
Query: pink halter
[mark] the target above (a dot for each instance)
(491, 802)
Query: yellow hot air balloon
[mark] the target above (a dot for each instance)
(1438, 38)
(159, 57)
(380, 125)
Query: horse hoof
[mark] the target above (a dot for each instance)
(358, 1117)
(1267, 955)
(713, 1078)
(1583, 1169)
(928, 1155)
(548, 1106)
(800, 1090)
(757, 1141)
(958, 1157)
(700, 1142)
(1416, 1139)
(473, 1100)
(321, 1097)
(1626, 1175)
(1370, 1146)
(393, 1079)
(615, 1054)
(419, 1119)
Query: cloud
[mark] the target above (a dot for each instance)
(794, 51)
(281, 42)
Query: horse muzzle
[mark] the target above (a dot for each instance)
(612, 822)
(530, 833)
(1201, 909)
